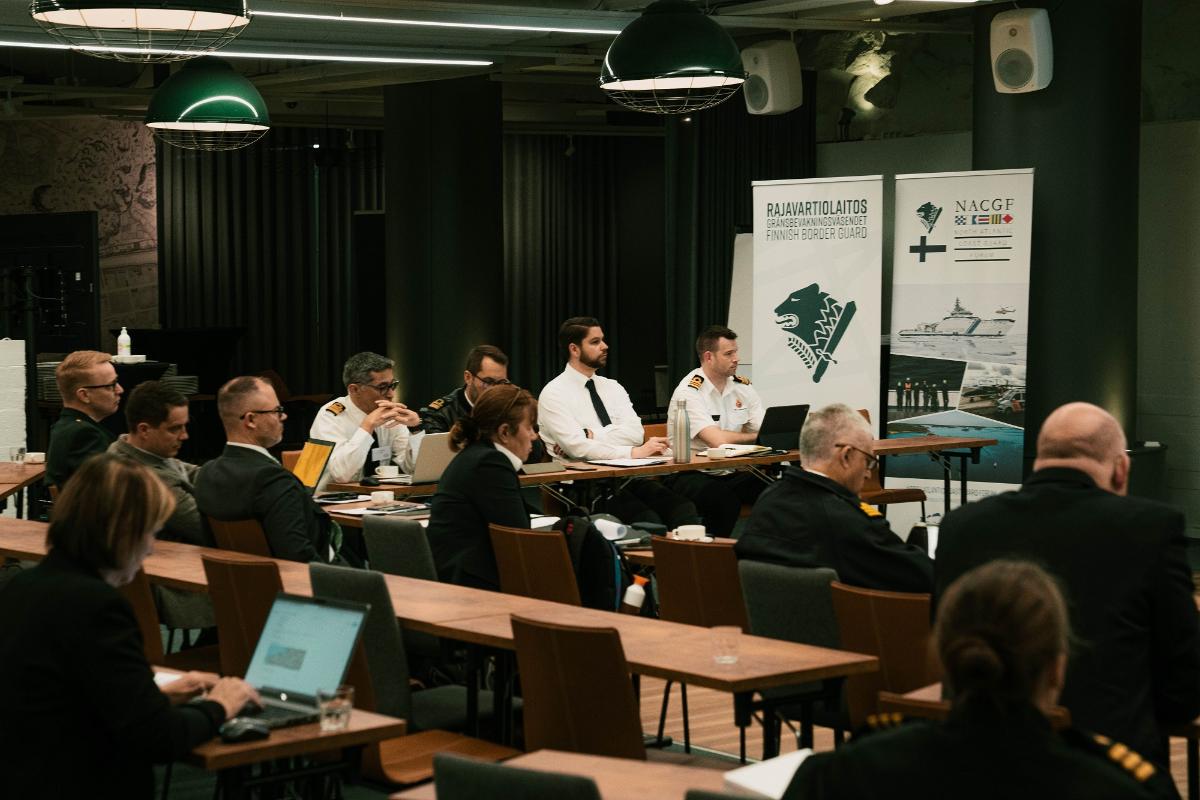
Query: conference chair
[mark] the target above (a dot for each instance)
(379, 674)
(534, 564)
(795, 604)
(894, 626)
(457, 778)
(873, 492)
(400, 547)
(289, 459)
(242, 589)
(141, 597)
(697, 585)
(240, 536)
(656, 429)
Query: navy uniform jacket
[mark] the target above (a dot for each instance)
(73, 437)
(441, 414)
(245, 484)
(80, 714)
(983, 755)
(1121, 564)
(478, 487)
(807, 520)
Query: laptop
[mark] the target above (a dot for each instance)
(310, 466)
(306, 645)
(433, 457)
(781, 427)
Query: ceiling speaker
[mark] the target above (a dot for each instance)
(1022, 52)
(773, 80)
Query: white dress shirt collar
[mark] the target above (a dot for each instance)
(254, 447)
(512, 457)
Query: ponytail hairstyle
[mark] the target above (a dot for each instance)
(501, 405)
(1000, 627)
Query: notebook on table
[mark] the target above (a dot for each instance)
(306, 645)
(433, 456)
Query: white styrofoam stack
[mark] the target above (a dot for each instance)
(12, 395)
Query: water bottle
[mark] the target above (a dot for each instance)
(681, 434)
(124, 343)
(635, 596)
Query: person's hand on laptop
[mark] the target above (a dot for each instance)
(188, 685)
(234, 694)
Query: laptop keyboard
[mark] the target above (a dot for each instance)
(278, 716)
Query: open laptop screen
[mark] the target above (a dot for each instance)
(781, 426)
(306, 644)
(311, 464)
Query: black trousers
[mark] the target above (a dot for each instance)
(718, 498)
(645, 500)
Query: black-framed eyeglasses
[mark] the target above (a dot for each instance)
(490, 382)
(112, 387)
(383, 388)
(279, 410)
(872, 459)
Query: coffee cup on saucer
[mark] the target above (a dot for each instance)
(387, 471)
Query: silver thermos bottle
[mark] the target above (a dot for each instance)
(681, 434)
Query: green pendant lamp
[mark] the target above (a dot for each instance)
(142, 31)
(672, 60)
(206, 105)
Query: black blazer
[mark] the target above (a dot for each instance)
(478, 487)
(245, 484)
(74, 437)
(807, 520)
(80, 715)
(1121, 564)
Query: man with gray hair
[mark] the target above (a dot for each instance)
(1123, 568)
(367, 426)
(812, 516)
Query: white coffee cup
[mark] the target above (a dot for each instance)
(35, 458)
(382, 498)
(716, 452)
(690, 533)
(387, 471)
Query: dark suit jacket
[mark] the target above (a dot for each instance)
(80, 715)
(245, 484)
(1121, 564)
(478, 487)
(73, 437)
(807, 520)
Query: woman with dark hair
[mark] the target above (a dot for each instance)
(1002, 637)
(480, 485)
(80, 712)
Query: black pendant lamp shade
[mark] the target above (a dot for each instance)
(672, 60)
(143, 30)
(206, 105)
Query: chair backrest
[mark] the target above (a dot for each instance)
(790, 603)
(240, 536)
(242, 589)
(138, 593)
(398, 547)
(534, 564)
(657, 429)
(386, 661)
(872, 483)
(893, 626)
(53, 492)
(577, 692)
(698, 583)
(458, 778)
(289, 458)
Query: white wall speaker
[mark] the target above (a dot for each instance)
(773, 82)
(1022, 52)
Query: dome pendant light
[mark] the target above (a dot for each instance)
(206, 105)
(143, 31)
(672, 60)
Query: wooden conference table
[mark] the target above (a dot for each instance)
(15, 478)
(652, 647)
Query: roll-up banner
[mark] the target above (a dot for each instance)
(818, 270)
(960, 312)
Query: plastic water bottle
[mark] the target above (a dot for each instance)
(681, 434)
(635, 596)
(124, 343)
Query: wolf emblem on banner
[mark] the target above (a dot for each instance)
(814, 323)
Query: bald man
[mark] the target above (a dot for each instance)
(1135, 665)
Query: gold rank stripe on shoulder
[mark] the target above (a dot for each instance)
(696, 382)
(335, 408)
(1127, 759)
(868, 509)
(436, 404)
(742, 379)
(889, 719)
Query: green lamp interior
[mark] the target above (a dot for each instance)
(206, 94)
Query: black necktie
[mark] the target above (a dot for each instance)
(370, 463)
(598, 404)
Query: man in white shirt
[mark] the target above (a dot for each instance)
(585, 416)
(366, 425)
(722, 408)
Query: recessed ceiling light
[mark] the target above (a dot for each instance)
(437, 23)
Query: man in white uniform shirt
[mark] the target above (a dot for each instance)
(585, 416)
(367, 426)
(722, 408)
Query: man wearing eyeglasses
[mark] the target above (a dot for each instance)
(87, 381)
(812, 516)
(487, 366)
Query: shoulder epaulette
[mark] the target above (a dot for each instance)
(696, 382)
(1128, 760)
(335, 408)
(436, 404)
(868, 509)
(742, 379)
(884, 720)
